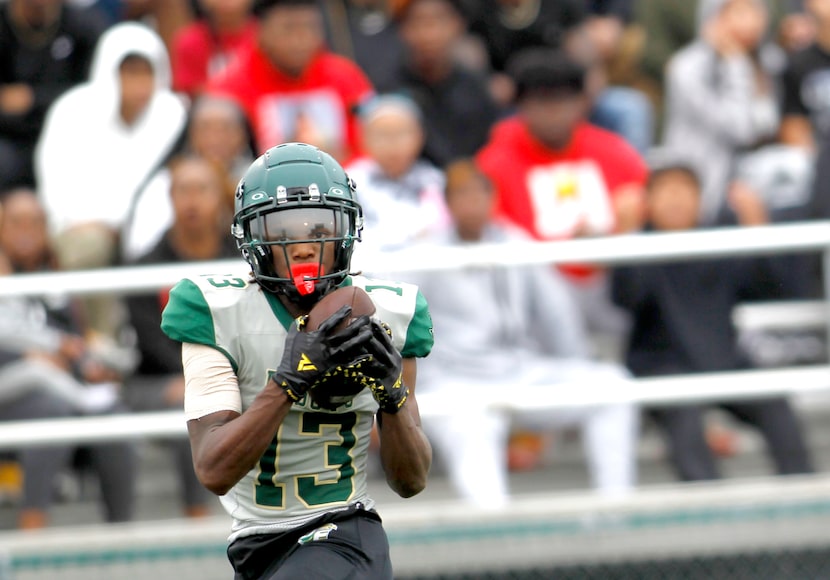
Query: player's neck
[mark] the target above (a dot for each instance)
(293, 309)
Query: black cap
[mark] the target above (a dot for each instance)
(546, 70)
(261, 7)
(400, 8)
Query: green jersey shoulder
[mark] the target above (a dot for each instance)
(212, 310)
(404, 309)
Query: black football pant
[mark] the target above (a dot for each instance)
(683, 428)
(356, 549)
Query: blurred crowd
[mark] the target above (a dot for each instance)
(125, 125)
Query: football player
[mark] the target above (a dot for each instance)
(290, 467)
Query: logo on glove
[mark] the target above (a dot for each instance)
(305, 364)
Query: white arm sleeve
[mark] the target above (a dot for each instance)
(210, 384)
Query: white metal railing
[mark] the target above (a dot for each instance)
(784, 315)
(655, 391)
(630, 248)
(634, 248)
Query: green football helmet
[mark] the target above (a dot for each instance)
(296, 194)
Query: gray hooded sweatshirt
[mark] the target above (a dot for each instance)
(714, 110)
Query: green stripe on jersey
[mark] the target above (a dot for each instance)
(419, 336)
(279, 310)
(187, 318)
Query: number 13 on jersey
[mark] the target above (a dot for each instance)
(334, 456)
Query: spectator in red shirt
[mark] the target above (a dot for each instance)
(291, 87)
(206, 47)
(558, 176)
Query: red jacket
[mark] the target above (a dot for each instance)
(552, 193)
(199, 54)
(555, 194)
(318, 107)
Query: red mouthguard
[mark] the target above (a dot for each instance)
(304, 277)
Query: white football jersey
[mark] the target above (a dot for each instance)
(317, 461)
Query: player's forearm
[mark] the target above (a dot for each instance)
(228, 450)
(405, 452)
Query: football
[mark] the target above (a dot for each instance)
(337, 390)
(355, 297)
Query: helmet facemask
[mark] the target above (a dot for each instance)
(266, 234)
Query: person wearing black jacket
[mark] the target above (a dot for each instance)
(457, 107)
(682, 324)
(200, 231)
(45, 49)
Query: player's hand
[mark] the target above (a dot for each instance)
(347, 344)
(381, 369)
(307, 356)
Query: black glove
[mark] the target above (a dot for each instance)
(349, 343)
(307, 356)
(381, 369)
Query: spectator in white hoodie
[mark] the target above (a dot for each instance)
(100, 142)
(216, 130)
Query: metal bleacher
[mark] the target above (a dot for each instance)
(555, 488)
